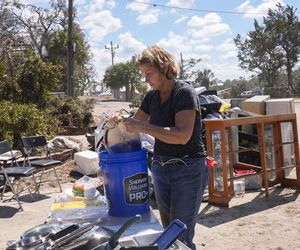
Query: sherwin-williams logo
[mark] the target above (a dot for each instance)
(136, 189)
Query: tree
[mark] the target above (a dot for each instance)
(205, 78)
(259, 54)
(40, 24)
(8, 23)
(271, 46)
(286, 26)
(186, 67)
(36, 79)
(46, 31)
(83, 69)
(123, 75)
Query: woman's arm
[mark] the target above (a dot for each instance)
(179, 134)
(140, 115)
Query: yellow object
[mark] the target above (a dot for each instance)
(224, 107)
(75, 204)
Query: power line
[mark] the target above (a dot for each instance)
(194, 9)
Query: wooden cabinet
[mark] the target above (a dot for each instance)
(266, 148)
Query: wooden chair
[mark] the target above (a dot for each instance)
(14, 172)
(31, 143)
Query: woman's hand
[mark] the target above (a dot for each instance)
(134, 125)
(112, 122)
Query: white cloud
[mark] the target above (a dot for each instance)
(147, 14)
(228, 70)
(230, 54)
(35, 2)
(181, 3)
(79, 2)
(195, 48)
(99, 25)
(130, 45)
(139, 7)
(102, 60)
(207, 26)
(227, 45)
(189, 48)
(148, 17)
(203, 47)
(257, 12)
(175, 43)
(181, 19)
(95, 6)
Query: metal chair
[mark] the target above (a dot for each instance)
(14, 172)
(31, 143)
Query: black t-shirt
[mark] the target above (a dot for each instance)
(183, 97)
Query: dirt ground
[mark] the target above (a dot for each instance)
(252, 221)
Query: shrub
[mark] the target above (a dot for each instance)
(24, 120)
(72, 111)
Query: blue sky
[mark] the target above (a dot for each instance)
(198, 29)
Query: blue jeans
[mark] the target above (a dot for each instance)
(179, 185)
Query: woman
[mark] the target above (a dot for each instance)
(170, 112)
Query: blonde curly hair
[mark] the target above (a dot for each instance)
(159, 58)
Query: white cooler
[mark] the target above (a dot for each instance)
(87, 162)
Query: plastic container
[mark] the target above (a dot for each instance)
(119, 140)
(125, 177)
(239, 187)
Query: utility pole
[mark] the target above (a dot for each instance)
(112, 49)
(70, 52)
(181, 66)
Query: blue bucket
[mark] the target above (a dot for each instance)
(125, 177)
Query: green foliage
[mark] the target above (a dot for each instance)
(33, 80)
(36, 80)
(72, 111)
(237, 86)
(24, 120)
(272, 47)
(205, 78)
(142, 89)
(284, 22)
(186, 68)
(83, 70)
(123, 75)
(46, 34)
(9, 89)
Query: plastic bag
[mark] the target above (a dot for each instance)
(85, 187)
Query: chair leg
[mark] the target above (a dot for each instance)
(15, 195)
(28, 188)
(29, 191)
(18, 186)
(37, 187)
(3, 190)
(38, 183)
(57, 179)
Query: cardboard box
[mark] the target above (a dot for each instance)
(280, 106)
(87, 162)
(256, 104)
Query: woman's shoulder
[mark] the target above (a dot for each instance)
(150, 94)
(184, 86)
